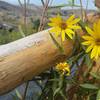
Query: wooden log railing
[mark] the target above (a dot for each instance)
(22, 59)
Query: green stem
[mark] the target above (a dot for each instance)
(26, 88)
(81, 9)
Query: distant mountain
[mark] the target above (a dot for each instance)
(8, 7)
(12, 14)
(4, 6)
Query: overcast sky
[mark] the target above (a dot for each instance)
(56, 2)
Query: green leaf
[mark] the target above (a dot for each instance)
(82, 24)
(95, 75)
(98, 95)
(18, 94)
(56, 43)
(57, 91)
(88, 61)
(60, 84)
(63, 95)
(89, 86)
(14, 97)
(21, 31)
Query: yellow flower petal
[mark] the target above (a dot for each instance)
(70, 18)
(74, 27)
(97, 53)
(63, 35)
(51, 24)
(90, 48)
(69, 33)
(75, 21)
(89, 31)
(55, 30)
(88, 38)
(94, 51)
(87, 43)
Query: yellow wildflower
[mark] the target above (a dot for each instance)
(63, 68)
(92, 41)
(62, 27)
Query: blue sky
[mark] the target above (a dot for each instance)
(56, 2)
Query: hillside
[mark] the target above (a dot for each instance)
(12, 13)
(7, 6)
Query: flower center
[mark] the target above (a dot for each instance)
(98, 42)
(63, 25)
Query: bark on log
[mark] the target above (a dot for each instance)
(27, 57)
